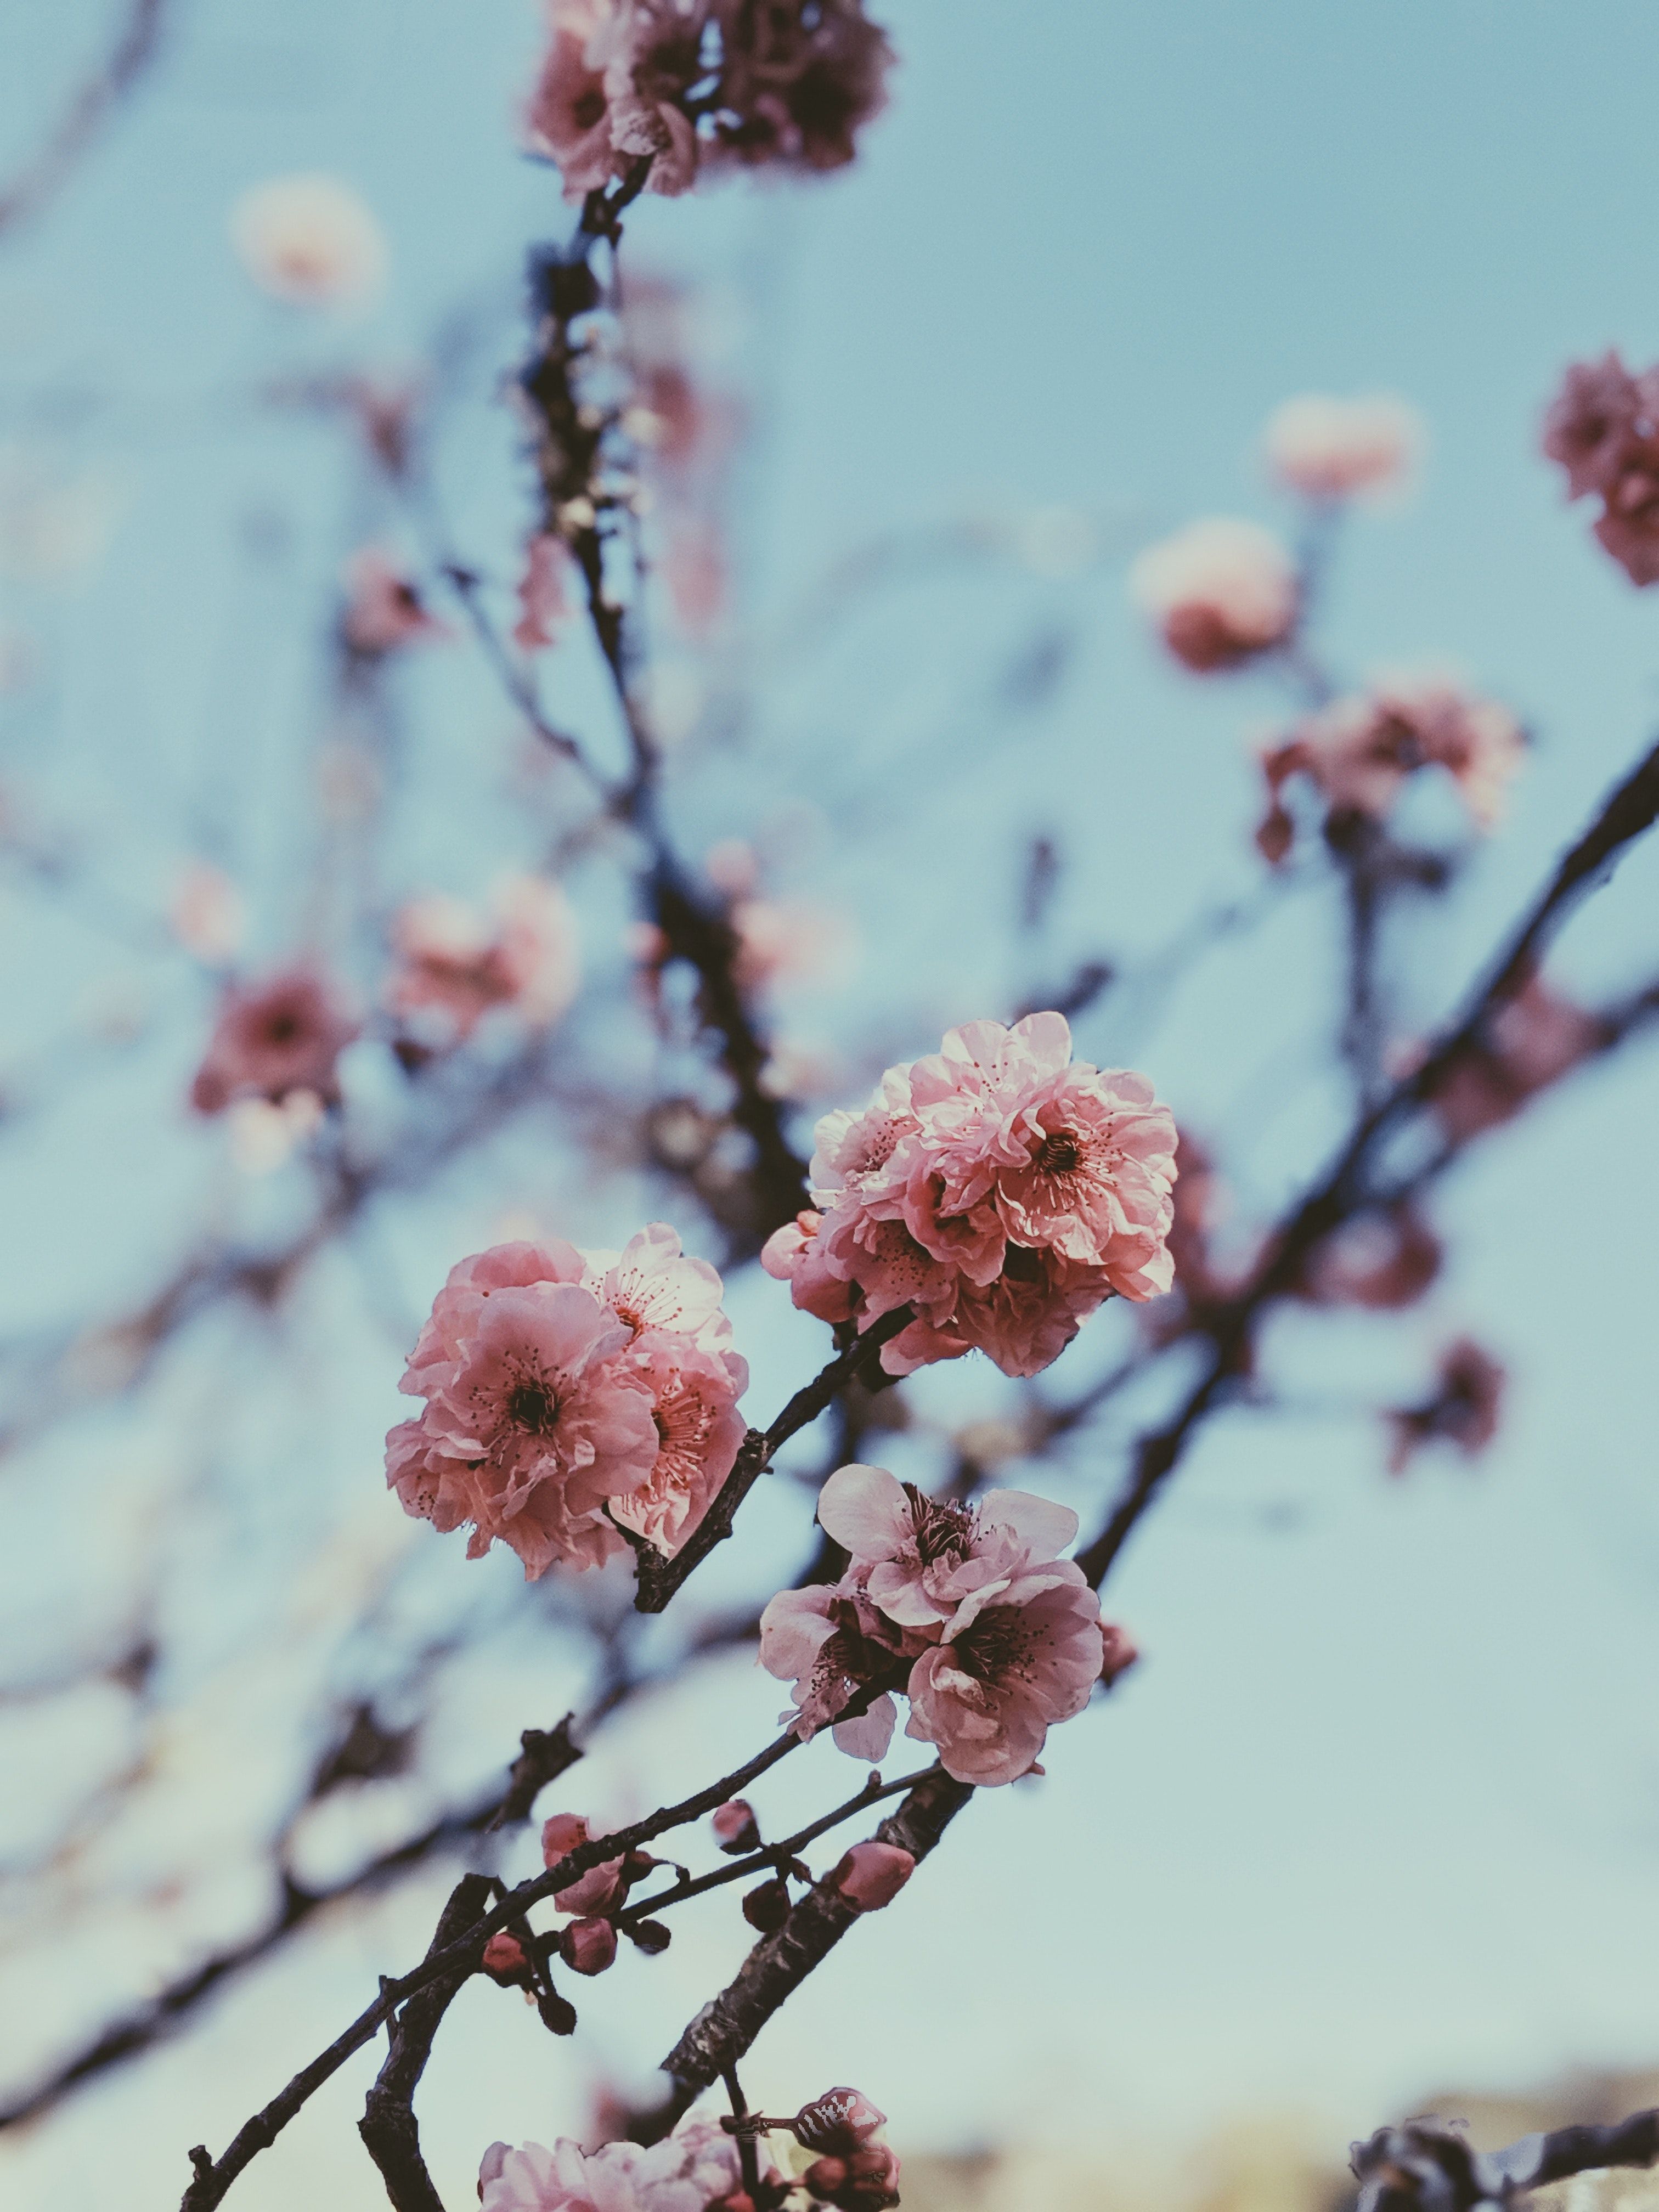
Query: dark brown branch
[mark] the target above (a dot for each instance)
(47, 172)
(1428, 2166)
(779, 1964)
(390, 2131)
(660, 1578)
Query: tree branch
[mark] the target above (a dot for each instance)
(45, 174)
(1428, 2166)
(390, 2131)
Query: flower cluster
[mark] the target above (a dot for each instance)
(1357, 753)
(456, 963)
(694, 2170)
(970, 1612)
(570, 1396)
(1330, 449)
(997, 1188)
(1220, 592)
(273, 1040)
(686, 83)
(1603, 428)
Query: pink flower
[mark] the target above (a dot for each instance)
(383, 609)
(601, 1887)
(908, 1550)
(588, 1945)
(1531, 1042)
(783, 942)
(568, 118)
(542, 604)
(455, 963)
(1360, 751)
(694, 1404)
(1016, 1657)
(871, 1875)
(1383, 1259)
(273, 1038)
(309, 239)
(1463, 1409)
(207, 914)
(531, 1424)
(793, 1255)
(694, 2167)
(734, 1824)
(1330, 449)
(1603, 428)
(1220, 592)
(832, 1644)
(652, 1285)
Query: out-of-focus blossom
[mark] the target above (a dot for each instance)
(383, 609)
(1383, 1260)
(1359, 752)
(55, 521)
(788, 942)
(681, 84)
(263, 1137)
(871, 1875)
(309, 239)
(455, 963)
(532, 1425)
(1328, 449)
(735, 1827)
(1463, 1410)
(1531, 1042)
(543, 606)
(1120, 1652)
(1603, 428)
(1220, 592)
(271, 1038)
(207, 914)
(588, 1945)
(995, 1187)
(694, 2167)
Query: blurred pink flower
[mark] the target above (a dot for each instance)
(1463, 1410)
(1603, 428)
(543, 606)
(207, 914)
(1220, 592)
(1383, 1260)
(787, 942)
(863, 2181)
(1018, 1655)
(908, 1549)
(273, 1038)
(309, 239)
(568, 117)
(383, 609)
(1531, 1042)
(694, 2167)
(734, 1826)
(871, 1875)
(455, 963)
(1327, 448)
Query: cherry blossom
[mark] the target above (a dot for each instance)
(207, 914)
(1463, 1410)
(694, 2167)
(1220, 592)
(456, 962)
(1603, 428)
(652, 1285)
(309, 239)
(908, 1550)
(1329, 449)
(694, 1404)
(833, 1644)
(1530, 1042)
(273, 1039)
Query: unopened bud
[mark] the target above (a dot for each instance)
(768, 1907)
(838, 2123)
(588, 1945)
(504, 1960)
(558, 2012)
(735, 1827)
(1120, 1653)
(872, 1875)
(651, 1936)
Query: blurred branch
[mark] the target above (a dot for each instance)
(45, 174)
(1428, 2166)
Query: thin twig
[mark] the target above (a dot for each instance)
(48, 169)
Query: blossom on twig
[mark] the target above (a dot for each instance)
(1219, 592)
(1332, 449)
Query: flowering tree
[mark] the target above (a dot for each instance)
(581, 1407)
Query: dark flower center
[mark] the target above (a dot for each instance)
(942, 1532)
(281, 1028)
(1058, 1153)
(530, 1405)
(587, 107)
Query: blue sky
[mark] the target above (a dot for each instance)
(1382, 1809)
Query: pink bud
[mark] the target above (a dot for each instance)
(504, 1960)
(864, 2181)
(591, 1892)
(734, 1826)
(1120, 1653)
(588, 1945)
(561, 1835)
(838, 2123)
(872, 1875)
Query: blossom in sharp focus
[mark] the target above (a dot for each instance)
(383, 610)
(1017, 1655)
(1327, 448)
(1463, 1410)
(588, 1945)
(652, 1285)
(309, 239)
(997, 1188)
(455, 963)
(1219, 592)
(1358, 753)
(696, 2166)
(271, 1038)
(533, 1424)
(832, 1644)
(1603, 428)
(684, 84)
(694, 1395)
(908, 1550)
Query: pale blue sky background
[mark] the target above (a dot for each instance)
(1380, 1810)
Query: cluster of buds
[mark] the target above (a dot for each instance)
(850, 2165)
(587, 1943)
(1603, 429)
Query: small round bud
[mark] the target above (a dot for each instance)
(871, 1875)
(558, 2012)
(504, 1960)
(768, 1907)
(1120, 1653)
(735, 1827)
(588, 1945)
(838, 2123)
(651, 1936)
